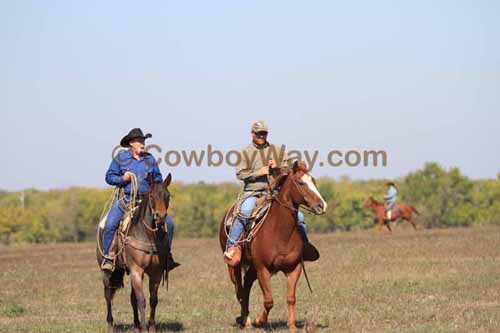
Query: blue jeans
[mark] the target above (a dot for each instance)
(113, 222)
(390, 205)
(247, 206)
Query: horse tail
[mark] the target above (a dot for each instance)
(415, 210)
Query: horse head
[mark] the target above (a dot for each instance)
(159, 197)
(371, 203)
(302, 187)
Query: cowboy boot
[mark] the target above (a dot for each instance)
(107, 265)
(170, 262)
(232, 256)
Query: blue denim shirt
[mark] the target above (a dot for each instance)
(392, 194)
(141, 168)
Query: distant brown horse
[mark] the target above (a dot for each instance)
(144, 249)
(400, 211)
(277, 246)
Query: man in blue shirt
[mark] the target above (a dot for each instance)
(390, 198)
(137, 161)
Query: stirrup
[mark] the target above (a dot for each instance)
(107, 266)
(234, 259)
(108, 263)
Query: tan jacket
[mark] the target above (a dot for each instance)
(253, 158)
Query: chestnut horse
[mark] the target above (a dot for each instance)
(400, 211)
(277, 246)
(144, 249)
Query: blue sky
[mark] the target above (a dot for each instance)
(418, 79)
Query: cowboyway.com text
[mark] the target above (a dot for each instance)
(217, 158)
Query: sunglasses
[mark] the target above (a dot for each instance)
(261, 134)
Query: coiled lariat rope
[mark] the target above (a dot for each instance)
(117, 194)
(237, 203)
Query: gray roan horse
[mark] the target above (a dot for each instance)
(142, 248)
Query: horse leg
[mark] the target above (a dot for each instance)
(136, 278)
(292, 279)
(380, 224)
(250, 278)
(133, 301)
(154, 283)
(108, 294)
(388, 225)
(235, 275)
(410, 219)
(264, 277)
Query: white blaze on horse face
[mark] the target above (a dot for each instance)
(310, 184)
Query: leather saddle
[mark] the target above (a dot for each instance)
(262, 206)
(120, 240)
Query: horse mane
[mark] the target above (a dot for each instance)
(300, 166)
(279, 180)
(375, 201)
(141, 210)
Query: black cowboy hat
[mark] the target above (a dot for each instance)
(390, 184)
(135, 133)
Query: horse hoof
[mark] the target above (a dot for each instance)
(110, 328)
(260, 321)
(244, 323)
(248, 324)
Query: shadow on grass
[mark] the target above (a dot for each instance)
(282, 325)
(173, 326)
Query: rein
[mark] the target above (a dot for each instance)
(155, 228)
(293, 209)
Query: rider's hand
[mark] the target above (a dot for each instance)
(126, 176)
(272, 164)
(262, 171)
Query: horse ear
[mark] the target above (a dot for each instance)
(295, 166)
(167, 180)
(279, 181)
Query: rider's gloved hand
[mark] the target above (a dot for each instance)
(127, 176)
(262, 171)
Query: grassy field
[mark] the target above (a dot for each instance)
(430, 280)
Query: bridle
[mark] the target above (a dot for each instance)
(156, 216)
(301, 191)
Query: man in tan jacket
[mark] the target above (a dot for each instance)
(259, 160)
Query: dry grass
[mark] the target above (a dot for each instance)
(431, 280)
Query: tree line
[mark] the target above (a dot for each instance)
(444, 198)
